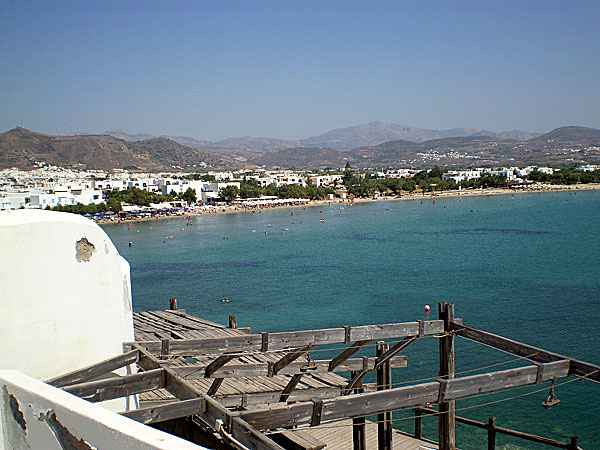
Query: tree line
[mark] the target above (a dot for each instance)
(250, 189)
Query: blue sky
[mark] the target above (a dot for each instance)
(291, 69)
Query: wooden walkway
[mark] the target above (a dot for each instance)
(176, 325)
(338, 436)
(264, 390)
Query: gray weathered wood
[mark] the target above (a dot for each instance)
(348, 353)
(402, 397)
(391, 352)
(589, 371)
(384, 381)
(447, 408)
(168, 411)
(279, 341)
(289, 388)
(262, 369)
(495, 381)
(95, 370)
(217, 364)
(97, 391)
(357, 377)
(290, 357)
(214, 387)
(250, 437)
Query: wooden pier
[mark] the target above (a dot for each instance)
(231, 388)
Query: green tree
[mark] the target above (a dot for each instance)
(189, 196)
(229, 193)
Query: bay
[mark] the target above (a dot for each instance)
(526, 266)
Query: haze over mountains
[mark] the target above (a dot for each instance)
(349, 138)
(378, 145)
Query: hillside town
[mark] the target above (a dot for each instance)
(48, 186)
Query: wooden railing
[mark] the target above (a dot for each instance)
(493, 429)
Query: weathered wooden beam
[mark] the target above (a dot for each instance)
(261, 398)
(168, 411)
(95, 370)
(359, 431)
(283, 340)
(214, 387)
(384, 381)
(589, 371)
(348, 353)
(447, 408)
(403, 397)
(217, 364)
(199, 404)
(289, 388)
(250, 437)
(262, 369)
(290, 357)
(97, 391)
(391, 352)
(357, 377)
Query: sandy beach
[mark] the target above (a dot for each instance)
(233, 209)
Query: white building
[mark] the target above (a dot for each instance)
(461, 175)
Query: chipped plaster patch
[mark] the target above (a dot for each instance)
(84, 250)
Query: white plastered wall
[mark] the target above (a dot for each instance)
(36, 416)
(63, 305)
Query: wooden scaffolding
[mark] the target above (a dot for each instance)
(235, 389)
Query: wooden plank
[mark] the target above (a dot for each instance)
(262, 369)
(589, 371)
(384, 381)
(447, 408)
(289, 388)
(391, 352)
(172, 410)
(402, 397)
(217, 364)
(290, 357)
(348, 353)
(97, 391)
(297, 440)
(496, 381)
(241, 400)
(214, 387)
(250, 437)
(278, 341)
(95, 370)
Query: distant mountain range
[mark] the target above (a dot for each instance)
(461, 147)
(349, 138)
(22, 148)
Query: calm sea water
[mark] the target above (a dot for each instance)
(525, 266)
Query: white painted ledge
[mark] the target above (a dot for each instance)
(37, 416)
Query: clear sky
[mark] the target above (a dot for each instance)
(291, 69)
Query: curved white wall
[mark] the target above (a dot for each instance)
(62, 306)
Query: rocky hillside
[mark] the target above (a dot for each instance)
(22, 148)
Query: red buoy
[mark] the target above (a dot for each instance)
(427, 308)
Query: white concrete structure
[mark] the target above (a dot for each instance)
(66, 296)
(34, 415)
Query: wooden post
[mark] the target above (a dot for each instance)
(492, 433)
(446, 422)
(359, 435)
(574, 443)
(418, 427)
(384, 381)
(232, 322)
(173, 303)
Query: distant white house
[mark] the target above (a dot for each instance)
(461, 175)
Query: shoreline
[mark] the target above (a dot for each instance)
(233, 209)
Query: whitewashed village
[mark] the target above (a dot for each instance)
(47, 186)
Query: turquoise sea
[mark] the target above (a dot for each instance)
(525, 266)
